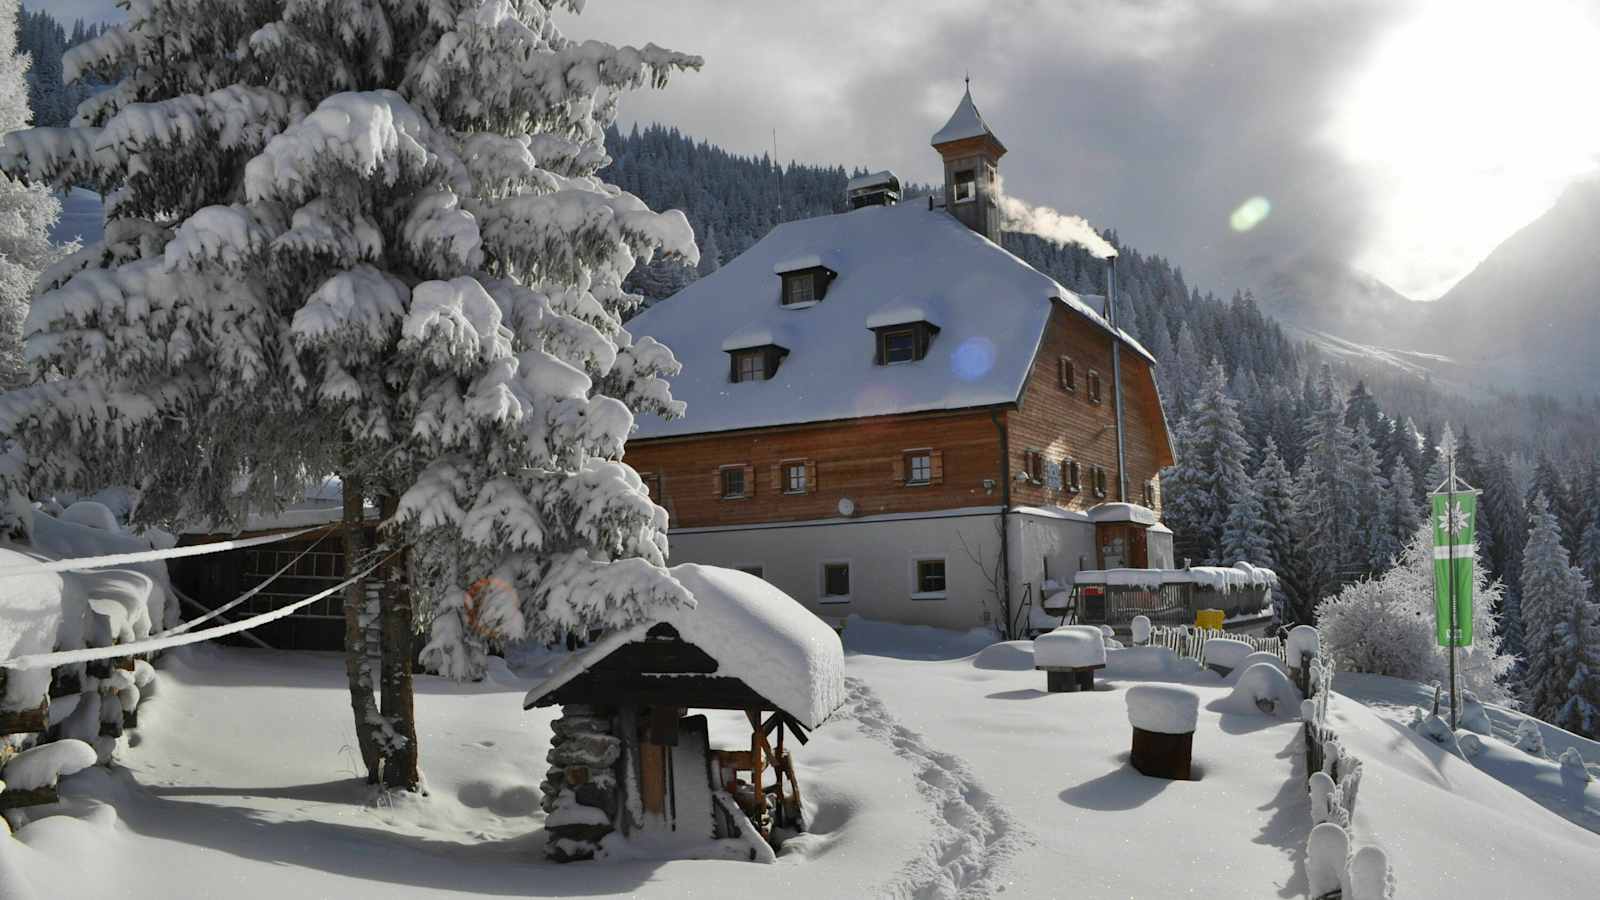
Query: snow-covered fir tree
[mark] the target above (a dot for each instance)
(1555, 619)
(1323, 483)
(26, 211)
(369, 238)
(1211, 472)
(1404, 511)
(1244, 532)
(1370, 491)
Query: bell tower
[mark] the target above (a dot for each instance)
(971, 155)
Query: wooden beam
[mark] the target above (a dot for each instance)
(14, 799)
(26, 721)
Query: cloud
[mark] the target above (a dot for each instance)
(1155, 118)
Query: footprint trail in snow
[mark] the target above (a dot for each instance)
(974, 836)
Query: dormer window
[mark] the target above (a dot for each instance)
(965, 185)
(903, 343)
(755, 363)
(799, 289)
(805, 281)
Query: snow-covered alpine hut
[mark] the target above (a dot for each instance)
(627, 762)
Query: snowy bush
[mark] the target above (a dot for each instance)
(1572, 767)
(1530, 738)
(1262, 688)
(1385, 626)
(1473, 717)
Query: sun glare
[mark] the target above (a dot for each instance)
(1471, 118)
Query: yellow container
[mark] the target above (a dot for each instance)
(1208, 618)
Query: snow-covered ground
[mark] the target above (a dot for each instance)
(945, 775)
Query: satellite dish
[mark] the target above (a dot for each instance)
(847, 507)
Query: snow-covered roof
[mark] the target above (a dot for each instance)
(755, 632)
(965, 122)
(991, 309)
(1122, 512)
(872, 179)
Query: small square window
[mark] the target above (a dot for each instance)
(750, 365)
(835, 580)
(794, 478)
(899, 345)
(930, 576)
(799, 289)
(965, 185)
(919, 468)
(733, 482)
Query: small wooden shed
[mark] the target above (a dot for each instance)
(627, 757)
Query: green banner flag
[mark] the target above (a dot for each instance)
(1454, 548)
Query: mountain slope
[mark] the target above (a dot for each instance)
(1529, 314)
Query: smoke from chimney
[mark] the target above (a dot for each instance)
(1050, 224)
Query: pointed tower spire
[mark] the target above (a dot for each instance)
(971, 155)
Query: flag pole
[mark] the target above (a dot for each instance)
(1449, 513)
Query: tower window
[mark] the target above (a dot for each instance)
(965, 185)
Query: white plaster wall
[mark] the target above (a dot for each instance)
(1159, 545)
(881, 555)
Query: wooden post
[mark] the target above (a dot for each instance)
(1163, 755)
(15, 799)
(26, 721)
(757, 742)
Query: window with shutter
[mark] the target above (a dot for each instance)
(1074, 476)
(794, 477)
(733, 482)
(1094, 386)
(1068, 373)
(1033, 466)
(811, 476)
(918, 467)
(937, 474)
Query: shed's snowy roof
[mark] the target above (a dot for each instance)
(755, 632)
(991, 310)
(964, 123)
(1122, 512)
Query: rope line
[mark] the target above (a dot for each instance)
(122, 559)
(150, 645)
(180, 629)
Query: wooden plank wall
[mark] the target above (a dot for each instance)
(1068, 425)
(857, 459)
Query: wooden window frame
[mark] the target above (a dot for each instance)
(1150, 494)
(1067, 374)
(917, 587)
(922, 335)
(1096, 391)
(747, 486)
(962, 177)
(1033, 466)
(1098, 475)
(904, 467)
(1072, 477)
(770, 356)
(822, 581)
(787, 470)
(818, 278)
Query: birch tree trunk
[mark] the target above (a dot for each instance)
(357, 617)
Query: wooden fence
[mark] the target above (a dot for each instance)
(1189, 642)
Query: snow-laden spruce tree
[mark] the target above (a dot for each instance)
(1559, 627)
(26, 211)
(1244, 533)
(365, 236)
(1386, 626)
(1210, 474)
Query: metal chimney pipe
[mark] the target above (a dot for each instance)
(1116, 376)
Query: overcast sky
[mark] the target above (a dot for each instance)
(1406, 137)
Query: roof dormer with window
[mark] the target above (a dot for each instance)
(803, 281)
(753, 355)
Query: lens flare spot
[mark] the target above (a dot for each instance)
(1250, 213)
(973, 358)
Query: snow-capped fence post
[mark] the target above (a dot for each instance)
(1163, 720)
(1303, 645)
